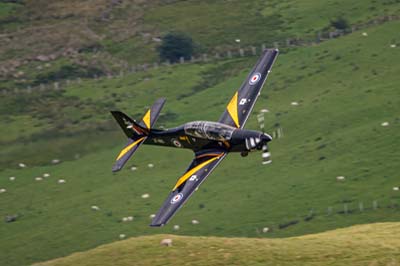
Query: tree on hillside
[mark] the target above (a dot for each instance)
(174, 46)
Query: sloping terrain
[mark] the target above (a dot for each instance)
(345, 90)
(336, 101)
(40, 41)
(373, 244)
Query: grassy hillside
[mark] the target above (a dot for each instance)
(345, 89)
(374, 244)
(101, 37)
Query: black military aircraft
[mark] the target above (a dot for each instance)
(210, 141)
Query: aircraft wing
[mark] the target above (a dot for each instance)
(199, 169)
(242, 103)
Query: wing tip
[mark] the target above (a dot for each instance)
(156, 225)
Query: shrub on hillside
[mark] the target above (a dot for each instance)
(174, 46)
(67, 72)
(340, 23)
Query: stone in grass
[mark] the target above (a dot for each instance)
(11, 218)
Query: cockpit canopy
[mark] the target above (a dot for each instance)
(209, 130)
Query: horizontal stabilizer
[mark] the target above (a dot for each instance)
(126, 153)
(131, 129)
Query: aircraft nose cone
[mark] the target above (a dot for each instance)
(266, 137)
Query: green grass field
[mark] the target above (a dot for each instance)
(374, 244)
(345, 89)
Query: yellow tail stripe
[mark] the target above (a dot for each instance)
(128, 148)
(192, 171)
(233, 109)
(146, 119)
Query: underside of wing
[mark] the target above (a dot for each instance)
(199, 169)
(242, 102)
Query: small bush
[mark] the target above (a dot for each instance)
(174, 46)
(340, 23)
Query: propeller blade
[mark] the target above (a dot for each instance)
(260, 119)
(266, 155)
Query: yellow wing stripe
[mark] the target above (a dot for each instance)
(146, 119)
(192, 171)
(128, 148)
(233, 109)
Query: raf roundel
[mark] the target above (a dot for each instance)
(255, 79)
(176, 143)
(176, 198)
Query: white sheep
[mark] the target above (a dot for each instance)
(55, 161)
(133, 168)
(340, 178)
(61, 181)
(385, 124)
(22, 165)
(122, 236)
(294, 103)
(265, 230)
(150, 165)
(396, 188)
(46, 175)
(95, 208)
(2, 190)
(152, 216)
(166, 242)
(39, 178)
(145, 196)
(12, 178)
(176, 227)
(195, 222)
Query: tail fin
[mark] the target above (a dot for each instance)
(150, 118)
(136, 132)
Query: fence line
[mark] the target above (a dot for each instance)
(346, 209)
(205, 58)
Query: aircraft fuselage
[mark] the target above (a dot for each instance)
(205, 135)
